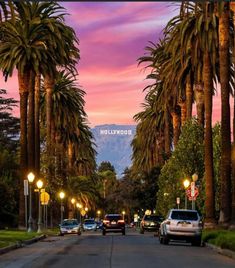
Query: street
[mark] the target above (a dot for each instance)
(91, 249)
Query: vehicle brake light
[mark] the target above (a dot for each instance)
(105, 221)
(121, 221)
(168, 222)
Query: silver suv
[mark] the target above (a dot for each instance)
(181, 224)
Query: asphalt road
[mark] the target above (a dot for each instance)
(92, 250)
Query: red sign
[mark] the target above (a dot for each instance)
(189, 193)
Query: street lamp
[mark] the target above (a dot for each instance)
(79, 206)
(123, 214)
(39, 185)
(30, 177)
(98, 213)
(73, 200)
(194, 178)
(186, 185)
(62, 195)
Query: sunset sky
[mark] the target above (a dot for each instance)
(112, 37)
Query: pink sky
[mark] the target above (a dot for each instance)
(112, 37)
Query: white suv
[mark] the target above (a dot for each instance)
(181, 224)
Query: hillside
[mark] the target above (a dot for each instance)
(113, 145)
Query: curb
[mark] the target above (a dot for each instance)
(222, 251)
(21, 244)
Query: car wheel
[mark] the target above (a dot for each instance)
(196, 242)
(104, 232)
(61, 234)
(165, 241)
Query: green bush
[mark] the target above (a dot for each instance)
(220, 238)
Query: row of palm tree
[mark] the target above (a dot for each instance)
(36, 42)
(192, 59)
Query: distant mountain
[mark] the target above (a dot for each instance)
(114, 145)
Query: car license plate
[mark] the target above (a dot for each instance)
(69, 231)
(113, 222)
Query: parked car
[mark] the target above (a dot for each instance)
(89, 225)
(150, 223)
(70, 226)
(181, 224)
(113, 223)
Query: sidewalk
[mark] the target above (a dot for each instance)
(222, 251)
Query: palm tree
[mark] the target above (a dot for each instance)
(27, 44)
(225, 211)
(232, 7)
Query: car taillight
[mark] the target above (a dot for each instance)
(168, 222)
(105, 221)
(121, 221)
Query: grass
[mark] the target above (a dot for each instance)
(221, 238)
(11, 237)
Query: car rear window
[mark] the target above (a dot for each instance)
(113, 217)
(152, 218)
(89, 221)
(184, 215)
(72, 222)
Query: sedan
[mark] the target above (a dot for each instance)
(89, 225)
(70, 226)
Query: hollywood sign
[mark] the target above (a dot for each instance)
(115, 132)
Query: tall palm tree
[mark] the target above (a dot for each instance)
(224, 57)
(27, 44)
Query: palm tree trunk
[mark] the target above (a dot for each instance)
(31, 124)
(183, 108)
(232, 226)
(225, 210)
(23, 89)
(49, 83)
(37, 123)
(189, 99)
(200, 106)
(209, 169)
(176, 126)
(167, 134)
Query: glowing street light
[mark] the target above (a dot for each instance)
(39, 185)
(61, 195)
(186, 183)
(31, 178)
(123, 214)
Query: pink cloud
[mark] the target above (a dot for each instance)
(112, 37)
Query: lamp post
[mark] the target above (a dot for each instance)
(39, 185)
(79, 206)
(194, 178)
(73, 200)
(123, 214)
(98, 213)
(186, 185)
(31, 177)
(62, 195)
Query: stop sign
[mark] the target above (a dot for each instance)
(189, 193)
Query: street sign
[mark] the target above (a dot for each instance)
(44, 197)
(83, 212)
(177, 200)
(192, 194)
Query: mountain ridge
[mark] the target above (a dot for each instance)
(114, 144)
